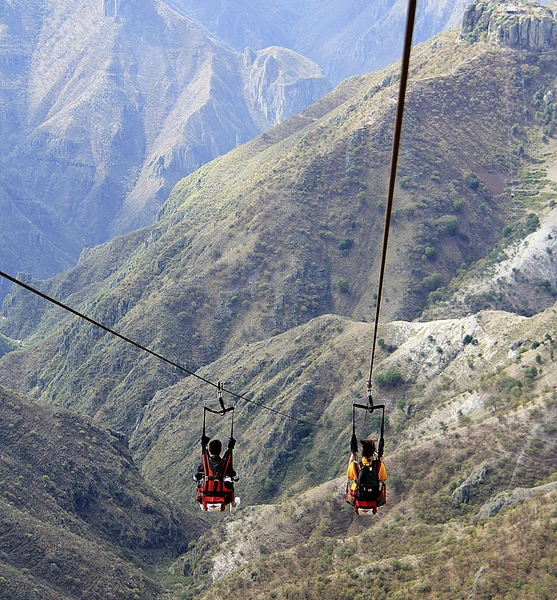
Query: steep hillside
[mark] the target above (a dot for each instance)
(471, 451)
(287, 227)
(76, 518)
(107, 105)
(450, 371)
(470, 438)
(260, 273)
(518, 277)
(510, 555)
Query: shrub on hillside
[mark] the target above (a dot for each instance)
(391, 378)
(471, 180)
(342, 286)
(432, 282)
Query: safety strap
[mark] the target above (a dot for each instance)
(354, 440)
(208, 474)
(223, 410)
(368, 408)
(219, 475)
(207, 471)
(381, 445)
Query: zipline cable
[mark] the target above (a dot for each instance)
(410, 19)
(149, 351)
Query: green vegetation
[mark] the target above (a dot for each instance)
(432, 282)
(471, 180)
(346, 244)
(530, 373)
(430, 252)
(391, 378)
(6, 345)
(342, 286)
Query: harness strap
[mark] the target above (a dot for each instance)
(381, 445)
(354, 440)
(213, 481)
(204, 435)
(368, 408)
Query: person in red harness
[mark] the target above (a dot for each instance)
(215, 476)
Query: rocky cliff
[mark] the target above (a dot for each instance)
(518, 24)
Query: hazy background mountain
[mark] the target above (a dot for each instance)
(344, 39)
(106, 107)
(260, 271)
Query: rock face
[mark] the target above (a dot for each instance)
(519, 24)
(463, 491)
(524, 282)
(279, 82)
(506, 498)
(105, 106)
(111, 7)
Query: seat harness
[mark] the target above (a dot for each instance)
(213, 492)
(363, 501)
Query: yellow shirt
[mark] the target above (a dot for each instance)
(354, 468)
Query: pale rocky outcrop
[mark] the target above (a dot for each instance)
(525, 282)
(280, 81)
(463, 492)
(507, 498)
(111, 7)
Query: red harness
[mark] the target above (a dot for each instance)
(364, 507)
(215, 493)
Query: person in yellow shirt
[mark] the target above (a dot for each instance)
(368, 460)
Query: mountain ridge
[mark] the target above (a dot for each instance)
(76, 516)
(323, 182)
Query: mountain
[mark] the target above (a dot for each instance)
(344, 39)
(471, 452)
(76, 518)
(107, 107)
(518, 277)
(287, 227)
(260, 271)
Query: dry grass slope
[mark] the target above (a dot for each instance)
(76, 518)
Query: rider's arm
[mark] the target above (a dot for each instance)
(382, 472)
(352, 472)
